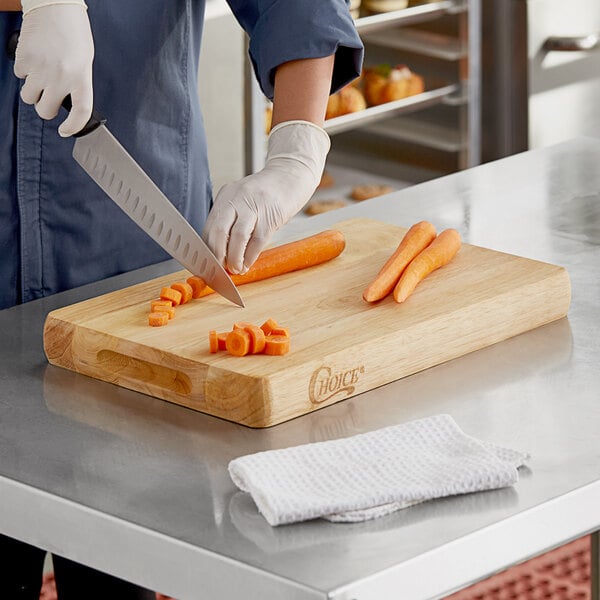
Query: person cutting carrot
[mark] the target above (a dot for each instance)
(138, 62)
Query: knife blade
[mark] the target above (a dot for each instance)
(117, 173)
(104, 159)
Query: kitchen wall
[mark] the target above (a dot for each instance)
(533, 95)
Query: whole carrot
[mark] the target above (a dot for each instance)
(439, 253)
(416, 239)
(300, 254)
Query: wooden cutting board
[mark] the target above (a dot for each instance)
(340, 345)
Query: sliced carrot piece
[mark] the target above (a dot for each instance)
(269, 325)
(222, 340)
(185, 289)
(159, 302)
(242, 325)
(238, 342)
(158, 319)
(283, 331)
(197, 284)
(276, 345)
(257, 339)
(170, 310)
(168, 293)
(213, 341)
(163, 306)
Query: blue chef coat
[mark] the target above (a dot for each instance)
(57, 229)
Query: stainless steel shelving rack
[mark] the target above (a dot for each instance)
(394, 120)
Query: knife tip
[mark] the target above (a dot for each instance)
(236, 298)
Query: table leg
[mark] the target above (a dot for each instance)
(595, 559)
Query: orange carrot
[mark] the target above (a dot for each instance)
(277, 345)
(307, 252)
(174, 296)
(159, 302)
(247, 338)
(257, 339)
(238, 342)
(213, 341)
(416, 239)
(158, 319)
(163, 306)
(439, 253)
(197, 284)
(283, 331)
(185, 289)
(222, 340)
(269, 325)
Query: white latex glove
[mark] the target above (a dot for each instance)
(246, 213)
(54, 56)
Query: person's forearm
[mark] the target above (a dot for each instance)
(302, 89)
(10, 5)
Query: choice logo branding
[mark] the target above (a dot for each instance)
(325, 383)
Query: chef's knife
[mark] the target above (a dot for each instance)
(103, 158)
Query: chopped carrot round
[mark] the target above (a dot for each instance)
(163, 306)
(238, 342)
(283, 331)
(241, 325)
(197, 284)
(168, 293)
(277, 345)
(185, 289)
(222, 340)
(213, 341)
(158, 319)
(159, 302)
(257, 339)
(269, 325)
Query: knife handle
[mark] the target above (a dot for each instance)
(11, 46)
(95, 120)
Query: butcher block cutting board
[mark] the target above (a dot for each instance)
(340, 345)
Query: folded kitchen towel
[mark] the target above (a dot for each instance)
(373, 474)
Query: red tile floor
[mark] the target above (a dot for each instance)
(562, 574)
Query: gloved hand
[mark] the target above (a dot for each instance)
(246, 213)
(54, 56)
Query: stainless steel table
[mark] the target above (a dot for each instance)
(139, 488)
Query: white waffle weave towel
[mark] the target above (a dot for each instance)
(373, 474)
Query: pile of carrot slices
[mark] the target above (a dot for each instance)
(162, 310)
(247, 338)
(420, 252)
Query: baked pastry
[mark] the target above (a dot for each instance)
(347, 100)
(326, 180)
(365, 192)
(316, 207)
(383, 84)
(416, 85)
(380, 6)
(374, 80)
(355, 8)
(268, 119)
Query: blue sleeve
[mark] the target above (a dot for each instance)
(285, 30)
